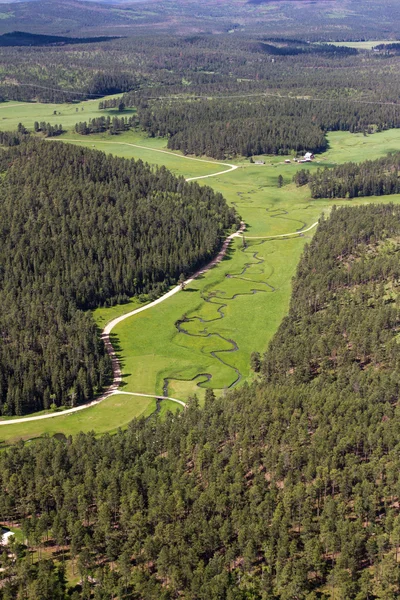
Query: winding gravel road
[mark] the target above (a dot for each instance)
(210, 162)
(113, 389)
(281, 235)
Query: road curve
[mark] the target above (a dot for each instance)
(152, 396)
(210, 162)
(110, 326)
(281, 235)
(113, 389)
(117, 376)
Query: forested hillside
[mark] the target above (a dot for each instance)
(287, 489)
(79, 229)
(351, 180)
(226, 127)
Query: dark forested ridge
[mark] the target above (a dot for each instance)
(80, 229)
(351, 180)
(287, 489)
(343, 321)
(22, 38)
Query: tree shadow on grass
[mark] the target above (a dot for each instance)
(117, 348)
(228, 254)
(115, 342)
(124, 376)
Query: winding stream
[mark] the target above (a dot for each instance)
(221, 302)
(213, 298)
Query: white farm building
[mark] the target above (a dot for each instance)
(5, 537)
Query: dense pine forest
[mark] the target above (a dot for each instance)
(351, 180)
(226, 127)
(285, 489)
(223, 128)
(80, 229)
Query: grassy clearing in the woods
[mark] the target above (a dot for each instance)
(204, 336)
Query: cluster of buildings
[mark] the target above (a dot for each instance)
(308, 157)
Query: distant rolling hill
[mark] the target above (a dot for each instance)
(335, 20)
(71, 17)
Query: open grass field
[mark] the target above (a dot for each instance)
(12, 113)
(355, 147)
(231, 311)
(366, 45)
(117, 411)
(203, 337)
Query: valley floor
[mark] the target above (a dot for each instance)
(204, 336)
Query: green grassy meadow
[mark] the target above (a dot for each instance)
(12, 113)
(114, 412)
(355, 147)
(204, 336)
(366, 45)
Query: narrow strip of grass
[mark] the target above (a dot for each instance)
(114, 412)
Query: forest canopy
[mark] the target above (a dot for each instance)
(80, 229)
(288, 488)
